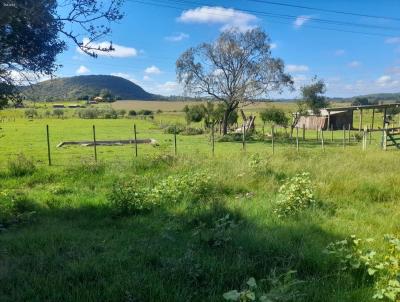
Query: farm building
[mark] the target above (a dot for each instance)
(336, 119)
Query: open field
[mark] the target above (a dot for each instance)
(69, 242)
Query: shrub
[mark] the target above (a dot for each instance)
(295, 195)
(132, 113)
(354, 254)
(192, 131)
(129, 197)
(145, 112)
(31, 113)
(170, 129)
(110, 114)
(21, 166)
(58, 113)
(89, 113)
(275, 288)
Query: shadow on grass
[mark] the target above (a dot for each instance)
(86, 254)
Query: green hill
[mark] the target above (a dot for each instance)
(84, 87)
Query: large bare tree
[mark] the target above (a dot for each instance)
(236, 69)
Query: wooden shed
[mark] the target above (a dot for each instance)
(336, 119)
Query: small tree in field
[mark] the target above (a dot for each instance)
(313, 96)
(235, 70)
(275, 116)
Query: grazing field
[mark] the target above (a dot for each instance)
(191, 226)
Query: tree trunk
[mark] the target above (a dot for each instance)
(225, 123)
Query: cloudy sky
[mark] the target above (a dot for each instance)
(353, 45)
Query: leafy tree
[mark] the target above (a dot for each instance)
(313, 96)
(275, 116)
(194, 113)
(236, 69)
(132, 113)
(34, 32)
(360, 101)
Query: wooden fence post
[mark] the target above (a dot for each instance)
(344, 136)
(244, 137)
(135, 136)
(322, 140)
(48, 144)
(304, 132)
(297, 139)
(94, 143)
(384, 138)
(175, 146)
(331, 133)
(213, 139)
(349, 134)
(273, 140)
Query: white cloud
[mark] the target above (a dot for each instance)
(340, 52)
(152, 70)
(177, 37)
(297, 68)
(301, 20)
(82, 70)
(118, 52)
(393, 40)
(273, 45)
(147, 78)
(387, 81)
(354, 64)
(169, 87)
(228, 17)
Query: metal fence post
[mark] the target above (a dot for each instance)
(135, 135)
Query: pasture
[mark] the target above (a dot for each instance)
(211, 223)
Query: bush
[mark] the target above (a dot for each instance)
(145, 112)
(129, 197)
(21, 166)
(132, 113)
(192, 131)
(89, 113)
(295, 195)
(110, 114)
(58, 113)
(170, 129)
(31, 113)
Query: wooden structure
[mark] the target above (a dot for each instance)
(334, 120)
(338, 117)
(248, 123)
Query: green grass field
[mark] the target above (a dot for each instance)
(67, 241)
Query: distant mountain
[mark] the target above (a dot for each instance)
(82, 87)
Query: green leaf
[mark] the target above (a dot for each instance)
(232, 295)
(252, 282)
(371, 271)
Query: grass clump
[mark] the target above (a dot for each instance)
(15, 209)
(21, 166)
(295, 195)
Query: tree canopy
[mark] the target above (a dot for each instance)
(313, 96)
(275, 116)
(236, 69)
(34, 32)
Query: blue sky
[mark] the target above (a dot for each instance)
(151, 37)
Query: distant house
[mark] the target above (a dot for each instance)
(336, 119)
(92, 102)
(58, 106)
(98, 99)
(74, 106)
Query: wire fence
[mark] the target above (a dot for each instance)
(122, 141)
